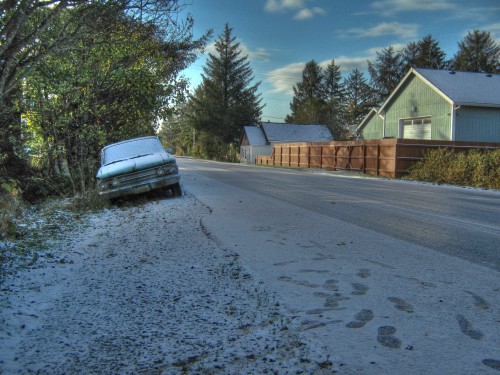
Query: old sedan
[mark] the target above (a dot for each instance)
(136, 166)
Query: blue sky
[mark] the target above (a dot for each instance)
(280, 36)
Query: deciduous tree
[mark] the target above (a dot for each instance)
(88, 77)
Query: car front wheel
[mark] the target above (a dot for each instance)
(176, 190)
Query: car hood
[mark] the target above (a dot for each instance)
(134, 165)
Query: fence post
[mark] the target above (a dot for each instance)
(364, 159)
(378, 158)
(335, 158)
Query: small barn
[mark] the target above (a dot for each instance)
(259, 140)
(439, 105)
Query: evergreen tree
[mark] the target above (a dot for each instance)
(308, 100)
(227, 99)
(360, 97)
(334, 95)
(333, 85)
(425, 53)
(478, 52)
(386, 72)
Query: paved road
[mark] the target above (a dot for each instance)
(389, 277)
(456, 221)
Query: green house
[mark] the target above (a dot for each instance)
(439, 105)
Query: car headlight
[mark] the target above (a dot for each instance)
(171, 169)
(101, 184)
(116, 182)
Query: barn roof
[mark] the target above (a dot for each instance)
(255, 135)
(276, 132)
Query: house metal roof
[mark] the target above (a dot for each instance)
(480, 89)
(255, 135)
(276, 132)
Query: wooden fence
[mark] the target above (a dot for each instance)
(385, 157)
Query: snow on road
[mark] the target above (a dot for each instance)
(377, 304)
(144, 289)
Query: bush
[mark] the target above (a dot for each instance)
(10, 208)
(89, 201)
(476, 168)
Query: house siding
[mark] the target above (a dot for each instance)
(374, 129)
(418, 99)
(249, 153)
(477, 124)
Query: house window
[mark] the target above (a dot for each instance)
(416, 128)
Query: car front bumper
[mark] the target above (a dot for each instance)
(140, 187)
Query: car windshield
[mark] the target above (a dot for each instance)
(131, 149)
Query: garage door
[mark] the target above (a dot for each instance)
(418, 128)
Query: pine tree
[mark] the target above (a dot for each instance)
(307, 102)
(386, 72)
(478, 52)
(227, 99)
(334, 94)
(425, 53)
(359, 97)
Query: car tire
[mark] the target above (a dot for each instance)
(176, 190)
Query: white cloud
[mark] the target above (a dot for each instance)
(259, 53)
(308, 13)
(274, 6)
(386, 28)
(303, 13)
(347, 64)
(494, 29)
(389, 7)
(283, 79)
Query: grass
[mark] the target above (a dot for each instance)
(27, 231)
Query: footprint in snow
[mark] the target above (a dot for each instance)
(401, 304)
(359, 289)
(466, 328)
(364, 273)
(479, 301)
(361, 319)
(386, 337)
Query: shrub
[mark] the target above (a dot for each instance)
(10, 208)
(477, 168)
(89, 201)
